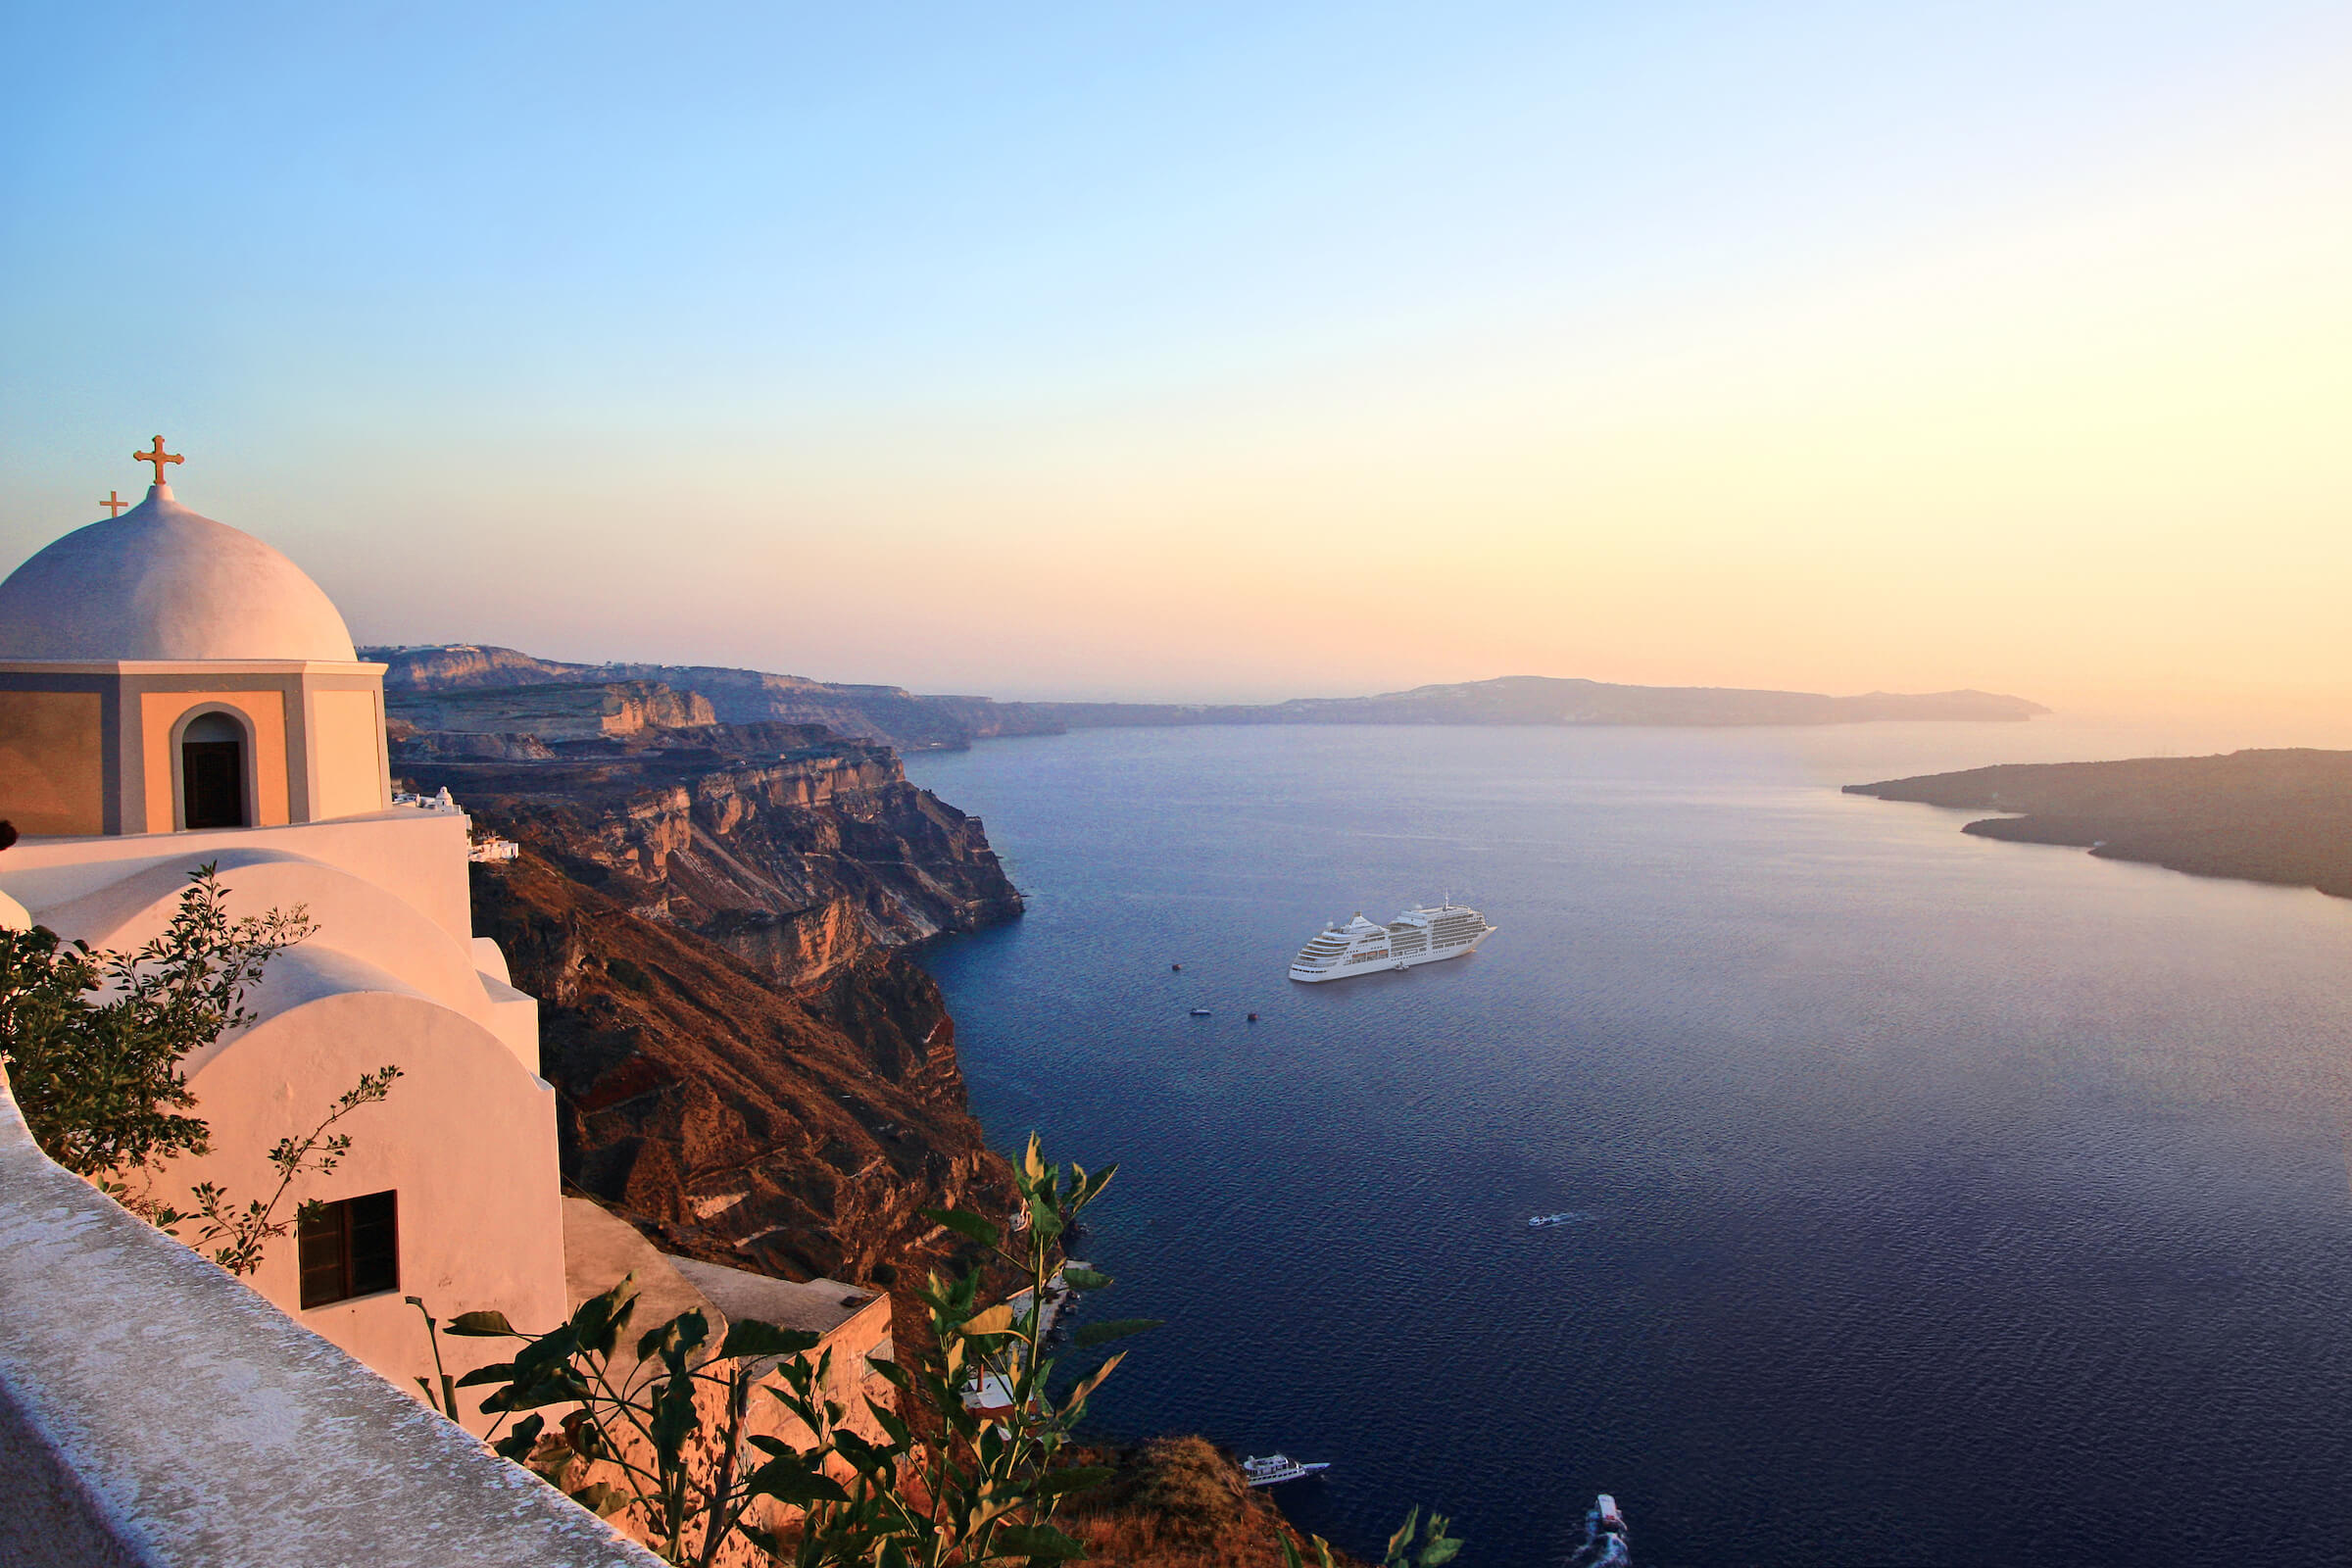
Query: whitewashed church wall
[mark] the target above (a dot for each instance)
(467, 1140)
(417, 856)
(350, 771)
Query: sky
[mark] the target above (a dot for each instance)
(1225, 353)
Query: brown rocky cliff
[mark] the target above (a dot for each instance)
(887, 714)
(553, 712)
(1179, 1502)
(800, 861)
(798, 1134)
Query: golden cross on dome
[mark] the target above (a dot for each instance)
(159, 456)
(113, 503)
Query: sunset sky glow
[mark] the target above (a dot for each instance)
(1211, 353)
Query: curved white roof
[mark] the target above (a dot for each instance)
(160, 582)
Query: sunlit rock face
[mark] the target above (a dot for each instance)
(796, 850)
(746, 1064)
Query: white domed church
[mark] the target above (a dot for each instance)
(173, 693)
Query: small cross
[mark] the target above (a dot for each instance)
(112, 504)
(159, 456)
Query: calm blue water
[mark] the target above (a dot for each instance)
(1949, 1201)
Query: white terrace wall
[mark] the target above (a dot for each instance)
(155, 1413)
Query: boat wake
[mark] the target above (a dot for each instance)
(1605, 1544)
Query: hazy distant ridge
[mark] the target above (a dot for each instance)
(1549, 699)
(909, 720)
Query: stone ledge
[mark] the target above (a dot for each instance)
(156, 1412)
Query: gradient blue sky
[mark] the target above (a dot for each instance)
(1222, 351)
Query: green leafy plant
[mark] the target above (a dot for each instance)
(94, 1040)
(982, 1489)
(644, 1419)
(986, 1490)
(1418, 1543)
(94, 1043)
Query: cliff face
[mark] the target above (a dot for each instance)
(886, 713)
(568, 711)
(709, 915)
(798, 858)
(2262, 816)
(799, 1133)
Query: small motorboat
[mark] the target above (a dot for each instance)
(1254, 1017)
(1175, 968)
(1276, 1468)
(1604, 1509)
(1199, 1013)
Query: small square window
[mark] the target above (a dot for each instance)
(350, 1248)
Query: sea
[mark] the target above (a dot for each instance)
(1922, 1199)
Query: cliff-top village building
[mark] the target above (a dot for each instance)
(173, 693)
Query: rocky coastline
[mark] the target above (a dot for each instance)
(2281, 817)
(794, 850)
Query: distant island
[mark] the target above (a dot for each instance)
(1549, 700)
(2283, 817)
(912, 721)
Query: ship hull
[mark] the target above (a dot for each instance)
(1347, 971)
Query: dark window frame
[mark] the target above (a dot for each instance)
(348, 1250)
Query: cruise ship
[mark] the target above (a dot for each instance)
(1417, 935)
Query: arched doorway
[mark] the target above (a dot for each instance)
(212, 772)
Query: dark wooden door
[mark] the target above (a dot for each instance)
(212, 775)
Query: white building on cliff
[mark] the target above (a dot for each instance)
(174, 692)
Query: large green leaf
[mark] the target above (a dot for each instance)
(479, 1325)
(675, 1340)
(1091, 1188)
(863, 1454)
(1402, 1540)
(518, 1444)
(1084, 1279)
(997, 1319)
(503, 1372)
(1091, 1334)
(965, 1224)
(902, 1436)
(559, 1389)
(1093, 1379)
(1037, 1542)
(1043, 1217)
(788, 1481)
(748, 1336)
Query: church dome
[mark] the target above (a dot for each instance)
(160, 582)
